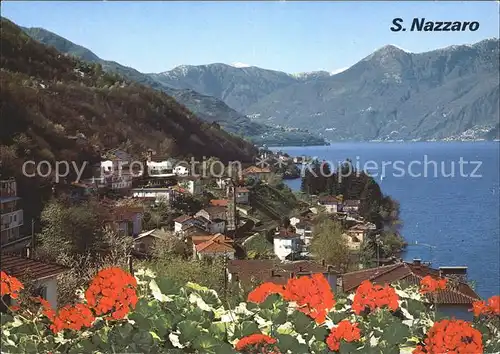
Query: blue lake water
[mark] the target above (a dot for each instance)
(454, 211)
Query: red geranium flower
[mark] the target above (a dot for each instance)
(491, 307)
(113, 292)
(371, 297)
(9, 285)
(260, 293)
(452, 336)
(72, 317)
(429, 285)
(312, 294)
(257, 343)
(346, 331)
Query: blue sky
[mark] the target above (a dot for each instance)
(287, 36)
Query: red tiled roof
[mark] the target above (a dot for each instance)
(219, 202)
(284, 233)
(242, 190)
(201, 238)
(18, 266)
(328, 199)
(455, 293)
(182, 218)
(255, 169)
(216, 244)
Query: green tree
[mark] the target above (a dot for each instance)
(328, 244)
(71, 229)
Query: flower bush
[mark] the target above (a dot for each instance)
(122, 313)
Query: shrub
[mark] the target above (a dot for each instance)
(150, 314)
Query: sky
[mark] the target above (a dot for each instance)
(287, 36)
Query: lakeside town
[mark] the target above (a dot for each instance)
(231, 232)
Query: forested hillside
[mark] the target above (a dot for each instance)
(56, 107)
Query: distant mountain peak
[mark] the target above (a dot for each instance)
(240, 65)
(394, 48)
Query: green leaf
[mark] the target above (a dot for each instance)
(125, 330)
(270, 301)
(346, 348)
(248, 327)
(336, 317)
(206, 343)
(143, 339)
(415, 307)
(87, 345)
(6, 318)
(224, 348)
(189, 330)
(301, 322)
(318, 347)
(396, 333)
(287, 342)
(320, 333)
(218, 330)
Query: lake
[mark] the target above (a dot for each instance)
(449, 194)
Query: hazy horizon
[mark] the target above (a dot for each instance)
(292, 37)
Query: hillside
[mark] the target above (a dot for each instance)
(391, 94)
(55, 107)
(206, 106)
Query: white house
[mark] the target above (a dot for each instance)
(181, 170)
(164, 168)
(181, 221)
(331, 203)
(44, 274)
(286, 244)
(192, 184)
(115, 172)
(305, 230)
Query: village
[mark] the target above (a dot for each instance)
(224, 218)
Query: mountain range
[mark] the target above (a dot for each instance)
(390, 95)
(206, 107)
(446, 94)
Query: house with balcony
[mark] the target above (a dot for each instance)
(114, 171)
(159, 166)
(11, 214)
